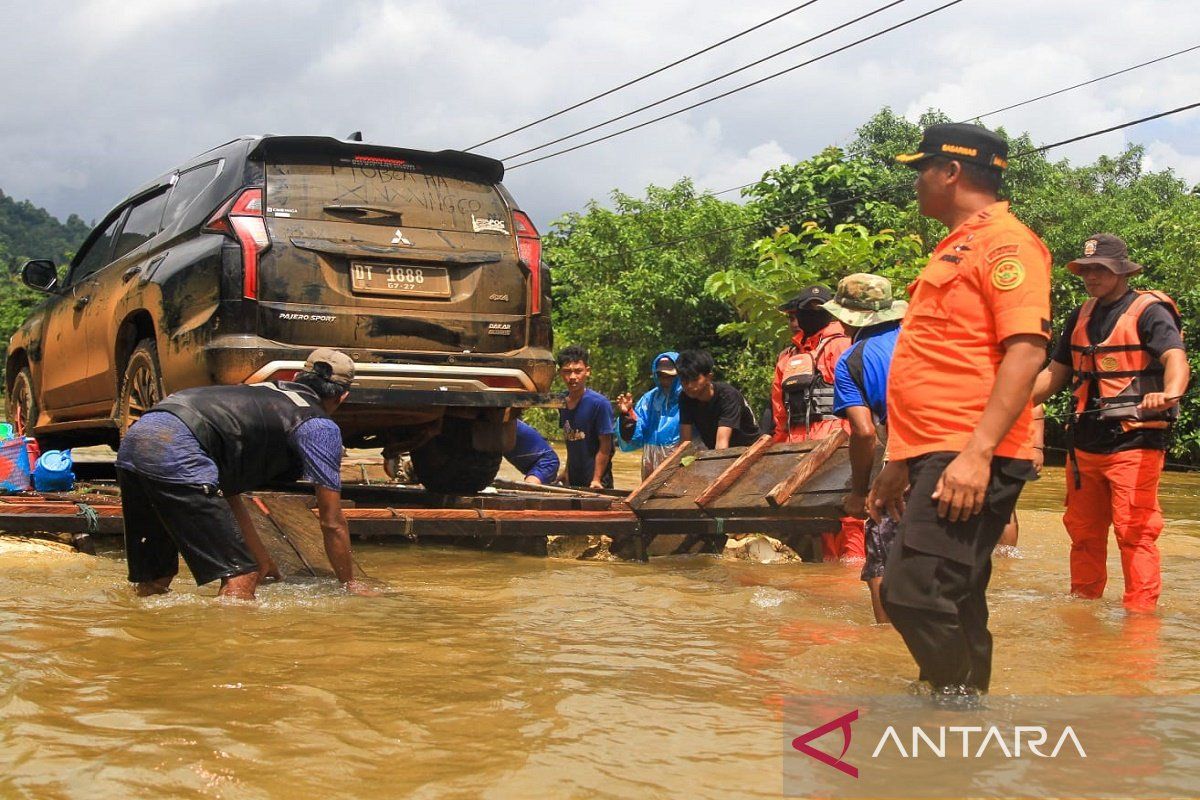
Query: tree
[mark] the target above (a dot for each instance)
(787, 262)
(629, 281)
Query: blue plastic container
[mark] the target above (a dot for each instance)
(53, 472)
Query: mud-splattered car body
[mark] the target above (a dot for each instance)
(234, 266)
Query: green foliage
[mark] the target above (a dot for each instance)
(829, 189)
(27, 231)
(787, 262)
(625, 297)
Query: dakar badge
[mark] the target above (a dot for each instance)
(1008, 274)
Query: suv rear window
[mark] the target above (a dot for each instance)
(392, 192)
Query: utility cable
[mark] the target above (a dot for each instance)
(1072, 140)
(641, 78)
(708, 82)
(1045, 96)
(737, 89)
(875, 194)
(1087, 82)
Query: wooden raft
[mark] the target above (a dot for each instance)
(784, 490)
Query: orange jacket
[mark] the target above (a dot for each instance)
(1121, 367)
(820, 350)
(989, 279)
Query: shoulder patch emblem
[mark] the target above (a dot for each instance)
(997, 253)
(1008, 274)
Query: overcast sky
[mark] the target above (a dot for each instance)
(101, 96)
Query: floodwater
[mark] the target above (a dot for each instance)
(507, 676)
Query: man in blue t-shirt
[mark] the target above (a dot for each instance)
(533, 455)
(587, 424)
(864, 305)
(184, 465)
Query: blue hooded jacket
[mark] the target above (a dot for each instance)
(657, 412)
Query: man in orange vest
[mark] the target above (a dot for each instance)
(959, 415)
(802, 394)
(1122, 352)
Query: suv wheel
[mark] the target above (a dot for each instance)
(22, 404)
(142, 385)
(447, 464)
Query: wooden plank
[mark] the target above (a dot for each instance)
(510, 515)
(402, 526)
(58, 522)
(287, 559)
(734, 472)
(55, 508)
(816, 459)
(660, 475)
(300, 526)
(521, 486)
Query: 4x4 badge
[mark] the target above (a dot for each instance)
(400, 238)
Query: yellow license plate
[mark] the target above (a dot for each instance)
(399, 279)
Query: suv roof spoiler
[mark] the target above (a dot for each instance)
(488, 168)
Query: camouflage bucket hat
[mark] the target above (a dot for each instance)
(862, 300)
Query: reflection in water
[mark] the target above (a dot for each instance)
(496, 675)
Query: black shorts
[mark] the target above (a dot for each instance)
(879, 538)
(929, 550)
(166, 520)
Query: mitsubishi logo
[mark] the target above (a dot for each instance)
(400, 238)
(843, 722)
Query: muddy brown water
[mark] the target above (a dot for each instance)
(507, 676)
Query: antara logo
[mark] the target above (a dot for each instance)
(938, 742)
(843, 722)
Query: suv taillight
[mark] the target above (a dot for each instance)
(242, 218)
(529, 248)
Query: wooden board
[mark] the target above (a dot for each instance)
(294, 521)
(820, 496)
(285, 556)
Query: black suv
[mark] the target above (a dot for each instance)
(231, 268)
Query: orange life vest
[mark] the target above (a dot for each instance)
(1121, 368)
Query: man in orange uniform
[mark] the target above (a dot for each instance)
(1125, 352)
(802, 394)
(959, 406)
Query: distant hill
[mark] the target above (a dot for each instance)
(27, 231)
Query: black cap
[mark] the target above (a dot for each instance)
(817, 293)
(961, 142)
(1107, 251)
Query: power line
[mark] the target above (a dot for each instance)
(877, 193)
(690, 89)
(1045, 96)
(1087, 82)
(735, 90)
(641, 78)
(1072, 140)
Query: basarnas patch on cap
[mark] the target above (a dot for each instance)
(1008, 274)
(1089, 248)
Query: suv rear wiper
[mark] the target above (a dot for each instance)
(379, 212)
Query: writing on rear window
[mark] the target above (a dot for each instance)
(377, 191)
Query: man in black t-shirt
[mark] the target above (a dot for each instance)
(1122, 353)
(714, 410)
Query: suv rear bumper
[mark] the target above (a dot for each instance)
(388, 379)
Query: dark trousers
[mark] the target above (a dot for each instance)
(166, 520)
(935, 585)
